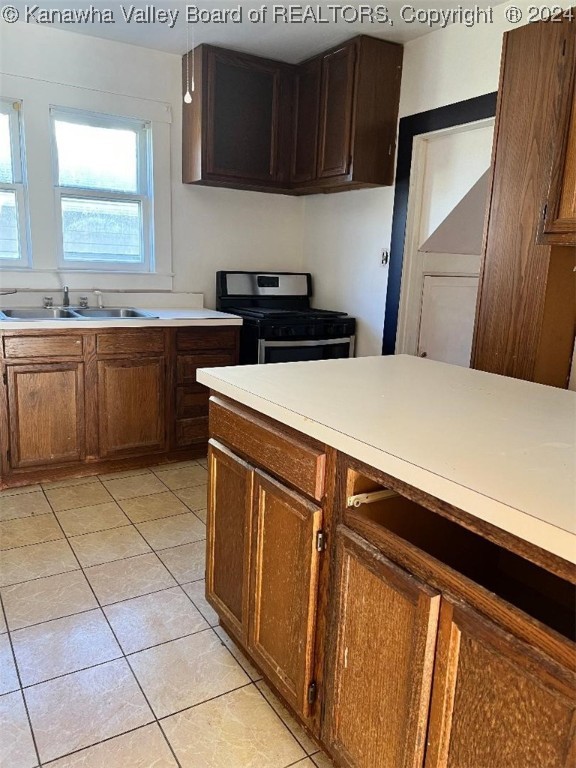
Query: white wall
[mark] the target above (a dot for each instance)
(345, 233)
(211, 228)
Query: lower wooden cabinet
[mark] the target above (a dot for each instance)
(45, 413)
(286, 562)
(496, 700)
(229, 538)
(75, 397)
(263, 561)
(380, 661)
(131, 406)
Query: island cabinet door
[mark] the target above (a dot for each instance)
(379, 665)
(131, 406)
(284, 589)
(229, 538)
(497, 701)
(45, 414)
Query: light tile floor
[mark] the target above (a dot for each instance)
(110, 655)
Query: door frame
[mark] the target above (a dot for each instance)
(458, 114)
(414, 261)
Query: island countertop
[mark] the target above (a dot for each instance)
(501, 449)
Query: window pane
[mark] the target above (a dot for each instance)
(101, 230)
(9, 242)
(97, 158)
(6, 174)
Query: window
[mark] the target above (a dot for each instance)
(13, 239)
(102, 169)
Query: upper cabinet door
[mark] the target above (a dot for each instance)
(496, 701)
(229, 535)
(284, 589)
(307, 99)
(336, 110)
(242, 116)
(559, 226)
(380, 664)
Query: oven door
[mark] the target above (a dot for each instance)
(309, 349)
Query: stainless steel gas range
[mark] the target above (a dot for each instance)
(279, 324)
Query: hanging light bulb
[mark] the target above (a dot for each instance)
(189, 85)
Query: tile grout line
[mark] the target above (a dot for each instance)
(302, 747)
(21, 691)
(102, 607)
(123, 655)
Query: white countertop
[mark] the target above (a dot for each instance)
(173, 317)
(501, 449)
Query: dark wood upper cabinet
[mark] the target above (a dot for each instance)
(306, 115)
(337, 96)
(325, 125)
(559, 217)
(232, 130)
(527, 298)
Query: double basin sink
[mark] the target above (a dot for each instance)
(76, 313)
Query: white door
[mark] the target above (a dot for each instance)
(446, 207)
(447, 318)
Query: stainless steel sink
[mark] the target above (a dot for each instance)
(75, 313)
(54, 313)
(111, 313)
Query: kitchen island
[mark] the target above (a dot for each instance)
(392, 541)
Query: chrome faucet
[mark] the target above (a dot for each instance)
(66, 299)
(99, 302)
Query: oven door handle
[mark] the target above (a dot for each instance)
(305, 342)
(263, 344)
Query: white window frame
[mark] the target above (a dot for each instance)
(13, 108)
(144, 195)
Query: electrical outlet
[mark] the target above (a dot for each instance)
(385, 256)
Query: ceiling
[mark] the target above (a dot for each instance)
(291, 42)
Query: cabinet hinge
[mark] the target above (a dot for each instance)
(312, 692)
(320, 541)
(544, 212)
(8, 456)
(4, 378)
(390, 149)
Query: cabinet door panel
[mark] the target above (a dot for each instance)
(305, 151)
(242, 117)
(46, 414)
(496, 701)
(131, 405)
(284, 588)
(336, 112)
(379, 669)
(229, 537)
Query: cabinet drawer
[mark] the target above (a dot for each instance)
(191, 431)
(187, 365)
(121, 342)
(206, 338)
(190, 403)
(43, 346)
(299, 463)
